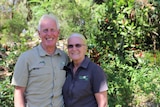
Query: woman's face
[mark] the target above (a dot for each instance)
(76, 49)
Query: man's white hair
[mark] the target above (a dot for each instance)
(50, 16)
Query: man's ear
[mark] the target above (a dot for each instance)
(38, 33)
(86, 48)
(58, 31)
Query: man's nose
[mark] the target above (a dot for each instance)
(49, 32)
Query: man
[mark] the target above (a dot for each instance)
(38, 75)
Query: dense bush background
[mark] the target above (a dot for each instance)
(123, 38)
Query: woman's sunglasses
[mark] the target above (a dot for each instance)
(76, 45)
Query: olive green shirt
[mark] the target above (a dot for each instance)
(42, 75)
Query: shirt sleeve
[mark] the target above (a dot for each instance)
(20, 74)
(99, 80)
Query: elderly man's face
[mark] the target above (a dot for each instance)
(76, 49)
(48, 33)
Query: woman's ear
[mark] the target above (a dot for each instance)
(86, 48)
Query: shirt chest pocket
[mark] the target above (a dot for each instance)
(80, 88)
(40, 74)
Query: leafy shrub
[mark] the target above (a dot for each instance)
(130, 86)
(152, 58)
(6, 93)
(120, 30)
(13, 28)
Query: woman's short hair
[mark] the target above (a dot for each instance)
(80, 36)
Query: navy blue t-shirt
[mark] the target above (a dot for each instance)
(79, 89)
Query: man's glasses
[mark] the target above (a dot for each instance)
(76, 45)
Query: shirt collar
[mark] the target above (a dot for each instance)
(42, 52)
(84, 63)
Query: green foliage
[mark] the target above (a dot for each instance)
(6, 93)
(74, 16)
(130, 86)
(14, 28)
(145, 81)
(13, 21)
(125, 25)
(152, 58)
(123, 29)
(119, 82)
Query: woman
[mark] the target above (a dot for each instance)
(86, 84)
